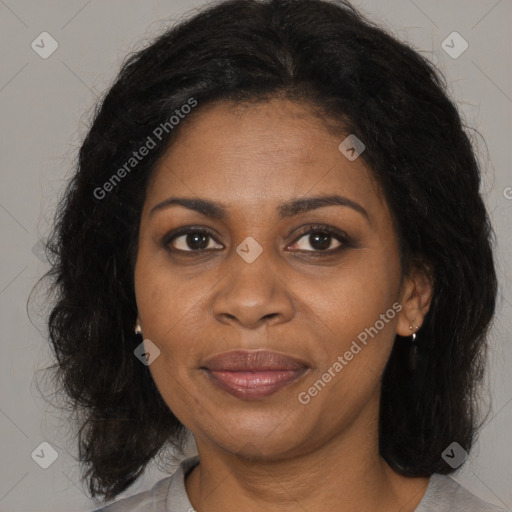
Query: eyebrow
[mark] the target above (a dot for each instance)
(217, 210)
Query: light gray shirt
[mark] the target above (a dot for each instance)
(169, 495)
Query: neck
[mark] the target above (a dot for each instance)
(345, 473)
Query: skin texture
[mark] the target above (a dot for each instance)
(275, 452)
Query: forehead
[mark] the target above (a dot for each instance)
(267, 152)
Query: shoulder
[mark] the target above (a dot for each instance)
(444, 494)
(151, 500)
(166, 493)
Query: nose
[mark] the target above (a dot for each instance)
(252, 294)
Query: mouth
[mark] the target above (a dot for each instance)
(252, 375)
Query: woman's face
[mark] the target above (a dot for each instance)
(261, 281)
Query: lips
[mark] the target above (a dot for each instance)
(253, 360)
(253, 374)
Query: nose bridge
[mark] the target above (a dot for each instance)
(254, 267)
(252, 290)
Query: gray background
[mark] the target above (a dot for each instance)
(45, 106)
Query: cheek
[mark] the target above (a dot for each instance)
(356, 311)
(355, 337)
(353, 298)
(352, 361)
(172, 309)
(164, 298)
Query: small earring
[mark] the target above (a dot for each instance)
(413, 334)
(138, 329)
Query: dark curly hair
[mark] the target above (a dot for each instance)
(358, 79)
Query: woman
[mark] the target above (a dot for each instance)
(275, 240)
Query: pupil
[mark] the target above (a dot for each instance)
(324, 241)
(192, 240)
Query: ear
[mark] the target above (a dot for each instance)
(415, 298)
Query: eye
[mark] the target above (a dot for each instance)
(191, 240)
(321, 239)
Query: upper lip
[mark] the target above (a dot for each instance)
(253, 360)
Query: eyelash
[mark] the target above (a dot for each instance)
(337, 234)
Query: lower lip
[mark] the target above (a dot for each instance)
(254, 385)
